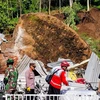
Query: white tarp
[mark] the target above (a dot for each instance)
(57, 63)
(1, 77)
(79, 95)
(2, 38)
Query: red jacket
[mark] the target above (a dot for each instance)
(58, 78)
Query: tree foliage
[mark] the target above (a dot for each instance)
(11, 10)
(71, 14)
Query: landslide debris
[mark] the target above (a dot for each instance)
(90, 23)
(47, 38)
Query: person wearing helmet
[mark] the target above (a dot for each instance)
(58, 78)
(11, 76)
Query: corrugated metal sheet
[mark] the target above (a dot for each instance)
(93, 70)
(24, 64)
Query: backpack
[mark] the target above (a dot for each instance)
(49, 77)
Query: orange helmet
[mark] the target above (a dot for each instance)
(65, 64)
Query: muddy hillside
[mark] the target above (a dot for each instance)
(45, 38)
(90, 23)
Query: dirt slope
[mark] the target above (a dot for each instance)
(90, 23)
(48, 38)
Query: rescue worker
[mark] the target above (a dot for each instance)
(11, 76)
(30, 80)
(58, 78)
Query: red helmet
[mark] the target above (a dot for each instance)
(65, 64)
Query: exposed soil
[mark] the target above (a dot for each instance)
(90, 23)
(52, 39)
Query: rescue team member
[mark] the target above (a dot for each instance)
(11, 76)
(30, 79)
(58, 78)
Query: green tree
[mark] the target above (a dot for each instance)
(70, 3)
(71, 14)
(40, 5)
(88, 5)
(60, 6)
(49, 5)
